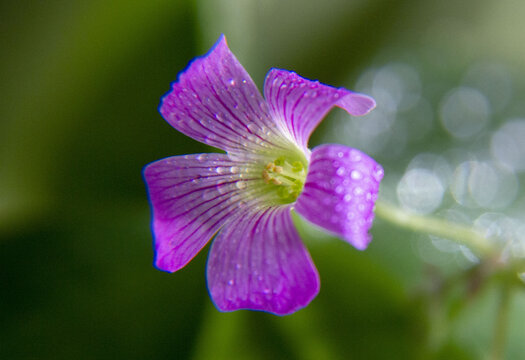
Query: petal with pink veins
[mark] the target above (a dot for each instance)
(191, 197)
(258, 262)
(298, 105)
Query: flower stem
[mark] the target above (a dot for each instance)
(459, 233)
(501, 325)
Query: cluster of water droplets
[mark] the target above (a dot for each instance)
(451, 147)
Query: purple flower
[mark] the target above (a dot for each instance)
(244, 197)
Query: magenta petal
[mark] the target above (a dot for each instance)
(298, 105)
(191, 197)
(340, 191)
(216, 102)
(258, 262)
(357, 104)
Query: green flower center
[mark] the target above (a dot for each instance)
(285, 177)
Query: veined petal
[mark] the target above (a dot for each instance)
(340, 191)
(298, 105)
(258, 262)
(191, 197)
(215, 101)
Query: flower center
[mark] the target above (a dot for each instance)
(286, 177)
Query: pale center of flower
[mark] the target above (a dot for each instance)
(286, 178)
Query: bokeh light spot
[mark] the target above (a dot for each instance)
(464, 112)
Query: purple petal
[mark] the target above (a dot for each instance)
(298, 105)
(192, 196)
(215, 101)
(340, 191)
(258, 262)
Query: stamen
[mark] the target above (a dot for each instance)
(288, 176)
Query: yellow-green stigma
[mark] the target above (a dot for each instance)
(287, 178)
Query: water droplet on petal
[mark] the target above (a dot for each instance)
(240, 185)
(378, 174)
(356, 175)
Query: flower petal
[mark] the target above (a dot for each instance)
(340, 191)
(258, 262)
(298, 105)
(215, 101)
(192, 196)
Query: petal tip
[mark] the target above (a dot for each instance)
(274, 306)
(359, 242)
(357, 104)
(220, 45)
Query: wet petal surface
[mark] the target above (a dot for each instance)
(258, 262)
(215, 101)
(340, 191)
(298, 105)
(192, 196)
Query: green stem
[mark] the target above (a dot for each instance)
(459, 233)
(500, 328)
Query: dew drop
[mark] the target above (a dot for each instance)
(240, 185)
(356, 175)
(378, 174)
(232, 82)
(340, 171)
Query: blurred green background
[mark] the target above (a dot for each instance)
(81, 82)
